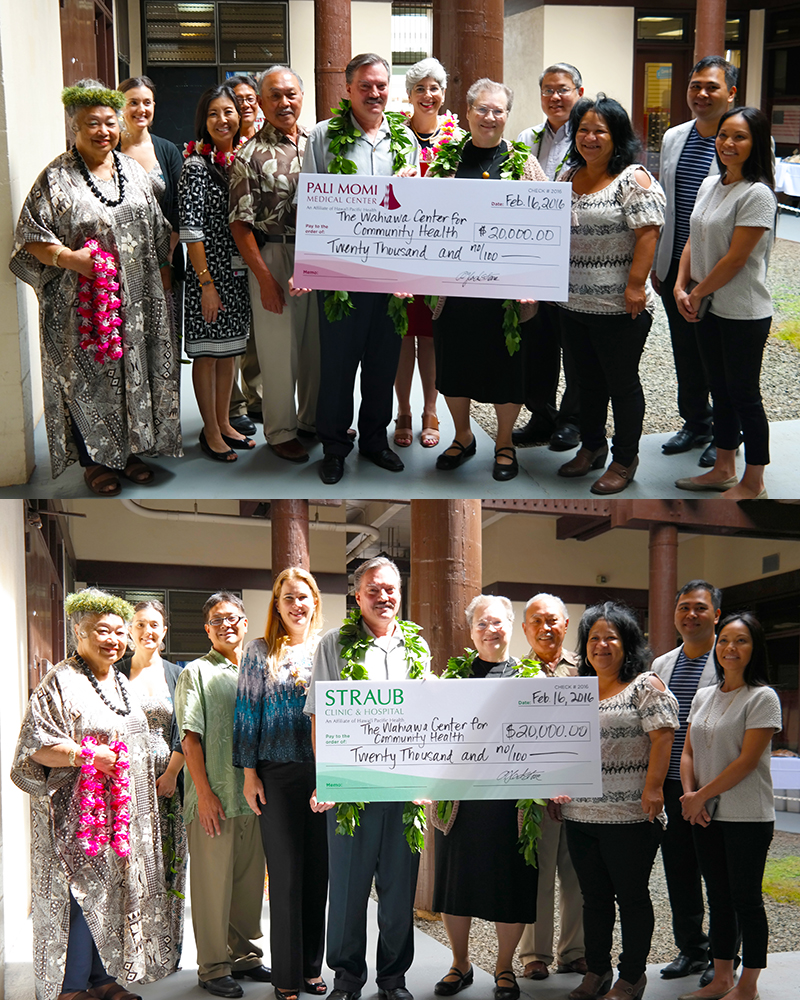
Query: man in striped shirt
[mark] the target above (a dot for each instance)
(685, 669)
(687, 158)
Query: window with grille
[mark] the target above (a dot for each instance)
(412, 32)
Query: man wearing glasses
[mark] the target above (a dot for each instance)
(561, 87)
(227, 870)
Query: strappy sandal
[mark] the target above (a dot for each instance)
(102, 481)
(318, 989)
(137, 471)
(449, 987)
(286, 994)
(218, 456)
(429, 435)
(113, 991)
(402, 430)
(506, 992)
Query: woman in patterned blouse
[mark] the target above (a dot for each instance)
(613, 839)
(272, 742)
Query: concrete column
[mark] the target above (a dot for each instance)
(663, 586)
(331, 52)
(289, 535)
(709, 39)
(445, 576)
(468, 39)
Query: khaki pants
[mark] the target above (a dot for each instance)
(536, 944)
(288, 351)
(248, 398)
(226, 875)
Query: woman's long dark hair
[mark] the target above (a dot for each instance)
(637, 653)
(201, 129)
(756, 673)
(758, 166)
(627, 148)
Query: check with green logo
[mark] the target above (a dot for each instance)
(387, 741)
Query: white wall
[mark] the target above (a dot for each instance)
(371, 28)
(301, 56)
(522, 63)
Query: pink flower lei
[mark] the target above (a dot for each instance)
(446, 134)
(98, 306)
(206, 149)
(104, 822)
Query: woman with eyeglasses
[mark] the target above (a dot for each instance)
(152, 680)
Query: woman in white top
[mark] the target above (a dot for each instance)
(725, 771)
(723, 270)
(613, 839)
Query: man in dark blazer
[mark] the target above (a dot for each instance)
(687, 158)
(685, 669)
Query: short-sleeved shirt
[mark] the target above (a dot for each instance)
(264, 182)
(719, 720)
(625, 721)
(719, 209)
(603, 241)
(205, 698)
(369, 157)
(567, 665)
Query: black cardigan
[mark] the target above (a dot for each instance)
(171, 162)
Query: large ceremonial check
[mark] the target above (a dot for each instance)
(387, 741)
(500, 240)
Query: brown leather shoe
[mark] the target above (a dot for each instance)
(593, 986)
(536, 970)
(291, 450)
(627, 991)
(615, 479)
(584, 462)
(578, 966)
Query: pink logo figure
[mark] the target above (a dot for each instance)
(389, 200)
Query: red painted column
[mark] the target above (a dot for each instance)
(332, 53)
(709, 39)
(663, 586)
(468, 40)
(289, 534)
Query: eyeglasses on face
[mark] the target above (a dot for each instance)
(225, 620)
(482, 111)
(561, 91)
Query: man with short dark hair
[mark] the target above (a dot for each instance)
(687, 158)
(227, 869)
(685, 669)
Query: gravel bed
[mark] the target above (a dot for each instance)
(784, 919)
(780, 371)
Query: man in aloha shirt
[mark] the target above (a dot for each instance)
(263, 222)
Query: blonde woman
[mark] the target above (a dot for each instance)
(272, 742)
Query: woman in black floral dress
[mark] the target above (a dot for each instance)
(217, 303)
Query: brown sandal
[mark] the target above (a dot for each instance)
(429, 435)
(137, 471)
(112, 991)
(102, 481)
(402, 430)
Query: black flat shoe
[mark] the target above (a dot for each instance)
(241, 444)
(243, 424)
(218, 456)
(506, 992)
(448, 989)
(684, 440)
(332, 469)
(318, 989)
(261, 974)
(385, 458)
(683, 965)
(448, 462)
(222, 986)
(503, 472)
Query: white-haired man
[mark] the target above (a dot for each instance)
(545, 628)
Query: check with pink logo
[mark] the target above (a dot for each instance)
(501, 240)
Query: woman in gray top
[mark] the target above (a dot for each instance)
(725, 771)
(721, 285)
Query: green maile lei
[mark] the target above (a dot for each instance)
(355, 643)
(532, 809)
(448, 157)
(342, 133)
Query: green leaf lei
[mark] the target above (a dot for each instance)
(355, 643)
(342, 133)
(532, 809)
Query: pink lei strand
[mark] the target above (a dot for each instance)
(446, 134)
(100, 825)
(98, 306)
(206, 149)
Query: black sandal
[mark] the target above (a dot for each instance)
(448, 989)
(286, 994)
(506, 992)
(318, 989)
(448, 462)
(219, 456)
(242, 444)
(504, 472)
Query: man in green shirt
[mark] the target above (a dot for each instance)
(227, 870)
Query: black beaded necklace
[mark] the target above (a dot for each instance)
(95, 684)
(87, 176)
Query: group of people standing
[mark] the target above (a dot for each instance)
(111, 355)
(231, 739)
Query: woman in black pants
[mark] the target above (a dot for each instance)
(725, 771)
(613, 839)
(272, 742)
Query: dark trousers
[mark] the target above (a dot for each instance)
(732, 858)
(606, 350)
(693, 404)
(732, 350)
(682, 871)
(377, 849)
(366, 337)
(84, 967)
(295, 843)
(542, 347)
(613, 861)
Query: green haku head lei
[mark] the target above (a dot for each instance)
(97, 602)
(91, 97)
